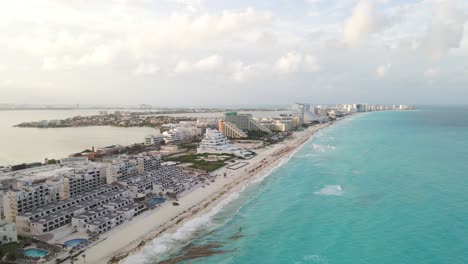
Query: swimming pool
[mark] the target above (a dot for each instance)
(34, 252)
(154, 201)
(74, 242)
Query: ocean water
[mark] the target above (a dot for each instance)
(384, 187)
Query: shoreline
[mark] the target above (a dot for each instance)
(128, 240)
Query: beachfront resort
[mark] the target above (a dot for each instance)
(55, 211)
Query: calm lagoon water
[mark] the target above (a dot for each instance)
(19, 145)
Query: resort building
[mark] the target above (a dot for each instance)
(131, 210)
(8, 232)
(105, 223)
(82, 180)
(154, 140)
(48, 218)
(231, 130)
(148, 163)
(235, 125)
(121, 168)
(177, 135)
(79, 221)
(215, 142)
(26, 196)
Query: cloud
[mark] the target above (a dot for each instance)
(49, 64)
(243, 72)
(294, 61)
(362, 23)
(446, 29)
(432, 73)
(145, 69)
(288, 63)
(311, 63)
(383, 70)
(208, 64)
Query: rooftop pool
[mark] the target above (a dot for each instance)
(154, 201)
(34, 252)
(75, 242)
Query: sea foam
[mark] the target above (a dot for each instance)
(330, 190)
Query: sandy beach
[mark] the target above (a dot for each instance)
(125, 240)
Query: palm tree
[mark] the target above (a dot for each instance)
(84, 258)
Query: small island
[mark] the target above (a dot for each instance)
(117, 119)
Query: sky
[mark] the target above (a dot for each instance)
(212, 52)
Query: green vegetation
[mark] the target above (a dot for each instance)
(252, 134)
(189, 146)
(175, 204)
(52, 161)
(198, 161)
(10, 249)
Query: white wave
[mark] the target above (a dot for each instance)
(356, 172)
(322, 148)
(330, 190)
(315, 259)
(183, 234)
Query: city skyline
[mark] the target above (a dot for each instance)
(178, 52)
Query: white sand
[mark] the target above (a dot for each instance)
(131, 236)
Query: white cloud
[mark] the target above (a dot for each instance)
(432, 73)
(49, 64)
(288, 63)
(208, 64)
(294, 61)
(144, 69)
(101, 55)
(383, 70)
(446, 29)
(243, 72)
(311, 63)
(362, 23)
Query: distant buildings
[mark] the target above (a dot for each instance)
(298, 110)
(145, 106)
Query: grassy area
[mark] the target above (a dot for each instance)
(198, 162)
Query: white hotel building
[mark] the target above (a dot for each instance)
(215, 142)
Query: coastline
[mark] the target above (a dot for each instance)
(128, 240)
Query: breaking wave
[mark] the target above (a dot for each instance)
(330, 190)
(169, 241)
(322, 148)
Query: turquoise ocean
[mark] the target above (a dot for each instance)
(381, 187)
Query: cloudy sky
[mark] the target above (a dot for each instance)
(212, 52)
